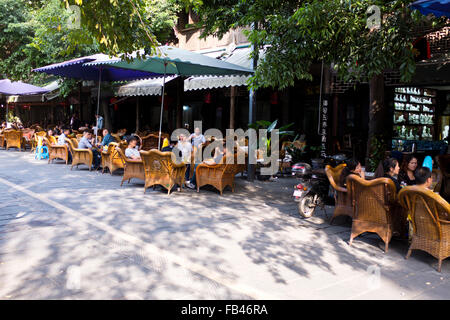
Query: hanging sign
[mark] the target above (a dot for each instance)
(324, 128)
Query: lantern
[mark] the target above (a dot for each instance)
(274, 98)
(207, 97)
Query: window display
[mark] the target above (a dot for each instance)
(414, 115)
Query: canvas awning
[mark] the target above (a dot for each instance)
(149, 87)
(52, 92)
(239, 56)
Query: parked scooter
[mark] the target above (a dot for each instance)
(311, 191)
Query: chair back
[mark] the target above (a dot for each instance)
(151, 142)
(425, 208)
(74, 142)
(52, 140)
(372, 199)
(71, 144)
(116, 137)
(79, 136)
(157, 163)
(334, 175)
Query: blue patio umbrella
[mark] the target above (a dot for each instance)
(437, 7)
(176, 61)
(77, 69)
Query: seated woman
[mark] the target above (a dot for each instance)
(352, 167)
(391, 170)
(132, 151)
(406, 174)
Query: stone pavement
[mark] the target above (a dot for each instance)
(79, 235)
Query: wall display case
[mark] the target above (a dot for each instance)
(414, 116)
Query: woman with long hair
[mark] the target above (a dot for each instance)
(391, 170)
(407, 170)
(352, 167)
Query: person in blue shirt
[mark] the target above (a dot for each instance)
(107, 138)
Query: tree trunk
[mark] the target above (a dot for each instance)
(377, 115)
(107, 115)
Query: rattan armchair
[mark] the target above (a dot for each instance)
(111, 158)
(80, 156)
(150, 142)
(444, 166)
(342, 198)
(160, 168)
(430, 216)
(132, 168)
(219, 175)
(56, 151)
(374, 208)
(2, 140)
(14, 139)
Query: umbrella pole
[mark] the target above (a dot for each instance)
(162, 106)
(98, 102)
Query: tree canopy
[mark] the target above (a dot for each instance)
(299, 33)
(37, 33)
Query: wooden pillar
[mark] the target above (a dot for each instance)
(107, 114)
(137, 114)
(232, 106)
(180, 98)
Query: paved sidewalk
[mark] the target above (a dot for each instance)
(79, 235)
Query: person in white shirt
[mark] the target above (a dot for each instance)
(197, 138)
(62, 137)
(132, 151)
(186, 150)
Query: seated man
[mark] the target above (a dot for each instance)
(425, 180)
(86, 142)
(219, 152)
(132, 151)
(107, 138)
(61, 140)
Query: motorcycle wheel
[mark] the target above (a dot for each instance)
(306, 206)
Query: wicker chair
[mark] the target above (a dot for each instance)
(150, 142)
(111, 159)
(375, 209)
(444, 165)
(80, 156)
(132, 168)
(160, 168)
(343, 199)
(2, 140)
(219, 175)
(14, 139)
(34, 140)
(56, 151)
(430, 216)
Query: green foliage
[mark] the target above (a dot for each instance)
(377, 153)
(299, 33)
(124, 26)
(270, 126)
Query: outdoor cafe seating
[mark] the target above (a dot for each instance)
(161, 169)
(131, 168)
(375, 208)
(79, 156)
(343, 199)
(111, 159)
(14, 139)
(430, 216)
(57, 151)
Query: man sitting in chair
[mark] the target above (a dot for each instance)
(86, 142)
(62, 140)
